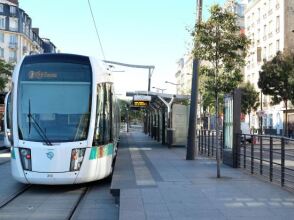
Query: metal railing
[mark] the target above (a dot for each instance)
(271, 157)
(207, 143)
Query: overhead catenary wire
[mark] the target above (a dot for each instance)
(96, 29)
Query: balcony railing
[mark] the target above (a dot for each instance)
(13, 28)
(13, 45)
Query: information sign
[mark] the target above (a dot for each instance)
(140, 103)
(142, 98)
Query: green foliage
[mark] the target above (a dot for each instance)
(185, 102)
(123, 106)
(5, 73)
(250, 98)
(276, 78)
(134, 115)
(219, 42)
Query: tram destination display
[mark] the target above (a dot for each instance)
(140, 101)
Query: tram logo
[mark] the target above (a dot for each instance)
(50, 155)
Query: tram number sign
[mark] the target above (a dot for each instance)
(140, 103)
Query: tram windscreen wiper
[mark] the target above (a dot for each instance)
(37, 127)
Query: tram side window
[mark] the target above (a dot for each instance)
(108, 113)
(9, 112)
(103, 115)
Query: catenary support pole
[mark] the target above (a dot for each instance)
(192, 150)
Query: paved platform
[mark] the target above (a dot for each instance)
(154, 182)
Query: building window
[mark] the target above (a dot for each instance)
(278, 24)
(264, 124)
(13, 38)
(13, 41)
(1, 52)
(270, 50)
(264, 53)
(12, 56)
(264, 32)
(270, 125)
(1, 8)
(2, 22)
(27, 30)
(270, 27)
(13, 24)
(259, 54)
(277, 45)
(2, 37)
(12, 10)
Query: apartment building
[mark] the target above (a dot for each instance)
(184, 75)
(237, 7)
(17, 36)
(269, 24)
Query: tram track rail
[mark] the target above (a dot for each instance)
(14, 195)
(74, 213)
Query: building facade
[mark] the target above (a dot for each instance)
(238, 8)
(269, 24)
(184, 75)
(17, 37)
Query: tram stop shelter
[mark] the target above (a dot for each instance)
(166, 116)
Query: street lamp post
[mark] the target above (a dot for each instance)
(175, 84)
(150, 69)
(158, 89)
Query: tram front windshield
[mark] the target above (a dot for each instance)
(54, 100)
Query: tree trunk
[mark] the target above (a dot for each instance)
(208, 119)
(286, 118)
(216, 104)
(249, 122)
(217, 136)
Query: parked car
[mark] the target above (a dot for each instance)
(246, 134)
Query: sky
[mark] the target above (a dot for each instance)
(145, 32)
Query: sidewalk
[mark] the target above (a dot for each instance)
(154, 182)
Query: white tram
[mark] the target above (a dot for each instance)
(65, 120)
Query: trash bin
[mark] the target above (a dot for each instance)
(170, 136)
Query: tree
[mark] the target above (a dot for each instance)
(250, 98)
(123, 106)
(276, 79)
(128, 114)
(5, 73)
(220, 42)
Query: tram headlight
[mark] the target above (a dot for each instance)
(8, 133)
(77, 157)
(26, 158)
